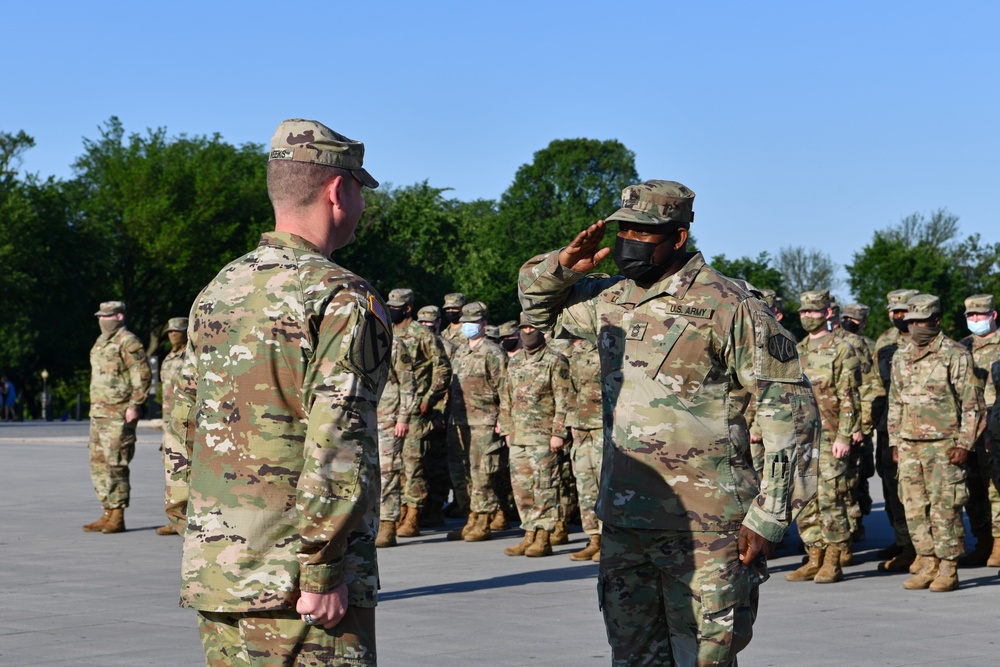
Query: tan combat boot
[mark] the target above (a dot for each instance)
(901, 562)
(409, 525)
(846, 554)
(167, 529)
(456, 535)
(498, 521)
(994, 559)
(831, 572)
(560, 535)
(115, 522)
(386, 534)
(541, 546)
(809, 570)
(522, 546)
(917, 564)
(403, 509)
(97, 526)
(480, 530)
(589, 551)
(929, 566)
(947, 577)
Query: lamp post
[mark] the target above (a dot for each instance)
(45, 395)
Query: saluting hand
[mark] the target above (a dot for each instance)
(585, 251)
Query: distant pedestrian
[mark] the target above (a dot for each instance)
(7, 398)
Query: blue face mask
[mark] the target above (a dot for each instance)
(470, 329)
(979, 328)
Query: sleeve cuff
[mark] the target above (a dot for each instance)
(766, 525)
(321, 578)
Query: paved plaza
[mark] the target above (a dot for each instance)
(91, 600)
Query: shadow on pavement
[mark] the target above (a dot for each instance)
(577, 572)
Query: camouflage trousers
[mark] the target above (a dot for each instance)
(112, 446)
(569, 502)
(415, 448)
(390, 458)
(676, 598)
(824, 519)
(481, 468)
(933, 492)
(860, 468)
(437, 467)
(176, 471)
(534, 474)
(588, 450)
(888, 470)
(282, 639)
(983, 506)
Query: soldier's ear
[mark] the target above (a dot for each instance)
(682, 238)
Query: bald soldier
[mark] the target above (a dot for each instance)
(119, 384)
(285, 363)
(685, 522)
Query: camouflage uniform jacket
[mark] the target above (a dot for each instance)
(423, 372)
(170, 374)
(533, 405)
(934, 394)
(453, 335)
(284, 367)
(119, 374)
(986, 357)
(870, 387)
(388, 405)
(585, 404)
(833, 368)
(477, 381)
(677, 362)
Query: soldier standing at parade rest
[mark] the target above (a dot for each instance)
(176, 496)
(935, 416)
(119, 384)
(983, 507)
(686, 526)
(834, 371)
(900, 553)
(277, 403)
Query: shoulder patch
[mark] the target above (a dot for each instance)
(376, 309)
(373, 342)
(781, 347)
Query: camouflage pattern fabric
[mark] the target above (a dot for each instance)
(390, 447)
(885, 348)
(935, 403)
(453, 334)
(833, 368)
(709, 611)
(281, 639)
(119, 379)
(860, 465)
(983, 506)
(534, 476)
(477, 381)
(176, 495)
(285, 363)
(588, 438)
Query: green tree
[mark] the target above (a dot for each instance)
(758, 272)
(805, 270)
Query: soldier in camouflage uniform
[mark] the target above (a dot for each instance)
(424, 375)
(983, 507)
(685, 524)
(176, 496)
(277, 402)
(934, 419)
(773, 301)
(474, 446)
(834, 371)
(585, 422)
(533, 423)
(451, 313)
(510, 337)
(900, 553)
(436, 464)
(569, 502)
(119, 383)
(391, 432)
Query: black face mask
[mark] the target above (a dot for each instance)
(508, 344)
(901, 324)
(397, 315)
(850, 325)
(532, 340)
(635, 259)
(451, 316)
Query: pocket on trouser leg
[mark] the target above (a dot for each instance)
(728, 608)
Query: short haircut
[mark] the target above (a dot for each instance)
(292, 184)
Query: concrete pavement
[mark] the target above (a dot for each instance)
(90, 600)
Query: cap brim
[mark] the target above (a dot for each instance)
(396, 304)
(365, 178)
(637, 217)
(470, 318)
(909, 317)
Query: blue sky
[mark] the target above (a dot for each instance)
(796, 123)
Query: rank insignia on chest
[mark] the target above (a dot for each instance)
(636, 331)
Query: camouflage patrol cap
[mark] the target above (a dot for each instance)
(303, 140)
(428, 314)
(492, 331)
(522, 321)
(508, 328)
(896, 299)
(815, 300)
(473, 312)
(656, 203)
(177, 324)
(857, 311)
(400, 297)
(109, 308)
(980, 303)
(454, 300)
(771, 298)
(922, 307)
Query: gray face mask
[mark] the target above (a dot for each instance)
(922, 335)
(108, 327)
